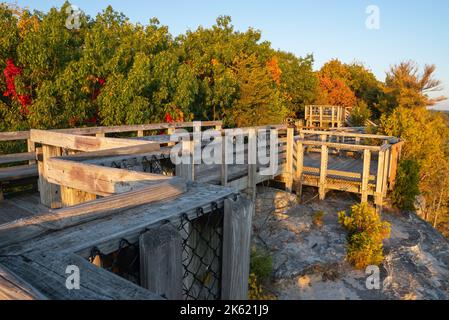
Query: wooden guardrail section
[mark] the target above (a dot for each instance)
(353, 162)
(325, 116)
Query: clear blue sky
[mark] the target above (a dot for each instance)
(417, 30)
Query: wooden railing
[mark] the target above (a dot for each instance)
(325, 116)
(384, 150)
(21, 166)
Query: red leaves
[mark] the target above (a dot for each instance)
(11, 72)
(99, 83)
(168, 118)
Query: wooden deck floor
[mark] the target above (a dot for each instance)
(347, 164)
(21, 206)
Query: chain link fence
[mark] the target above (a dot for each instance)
(202, 243)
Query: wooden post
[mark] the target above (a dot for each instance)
(366, 174)
(385, 173)
(100, 135)
(333, 117)
(394, 158)
(31, 148)
(224, 157)
(323, 172)
(161, 269)
(338, 117)
(170, 131)
(289, 163)
(236, 248)
(140, 133)
(299, 167)
(50, 193)
(306, 115)
(379, 181)
(321, 116)
(252, 163)
(186, 170)
(311, 116)
(71, 196)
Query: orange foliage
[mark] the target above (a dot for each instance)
(26, 22)
(275, 71)
(336, 92)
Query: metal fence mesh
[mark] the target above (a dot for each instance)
(202, 242)
(202, 253)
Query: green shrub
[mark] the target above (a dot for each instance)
(406, 188)
(261, 269)
(261, 264)
(359, 114)
(366, 231)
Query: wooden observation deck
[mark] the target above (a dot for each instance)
(111, 203)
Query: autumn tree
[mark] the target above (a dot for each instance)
(298, 84)
(407, 87)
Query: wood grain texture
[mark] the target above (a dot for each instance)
(25, 229)
(236, 248)
(98, 180)
(161, 269)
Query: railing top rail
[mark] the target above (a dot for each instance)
(344, 146)
(14, 135)
(137, 127)
(350, 134)
(24, 135)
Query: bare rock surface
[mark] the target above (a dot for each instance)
(309, 260)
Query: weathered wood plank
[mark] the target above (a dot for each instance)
(289, 157)
(366, 175)
(323, 171)
(26, 229)
(16, 135)
(47, 272)
(13, 287)
(83, 143)
(106, 232)
(236, 248)
(161, 269)
(50, 192)
(343, 146)
(71, 196)
(18, 172)
(135, 128)
(17, 157)
(98, 180)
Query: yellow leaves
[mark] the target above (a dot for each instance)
(85, 89)
(366, 233)
(26, 22)
(256, 292)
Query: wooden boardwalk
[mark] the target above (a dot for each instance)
(101, 197)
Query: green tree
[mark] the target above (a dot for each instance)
(406, 187)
